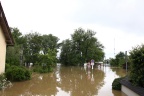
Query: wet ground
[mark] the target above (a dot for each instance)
(69, 81)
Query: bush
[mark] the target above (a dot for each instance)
(15, 73)
(137, 66)
(4, 83)
(7, 66)
(42, 69)
(116, 85)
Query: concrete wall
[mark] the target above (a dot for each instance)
(2, 51)
(128, 92)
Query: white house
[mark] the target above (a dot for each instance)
(5, 39)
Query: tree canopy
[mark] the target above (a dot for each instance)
(28, 48)
(83, 46)
(119, 59)
(137, 66)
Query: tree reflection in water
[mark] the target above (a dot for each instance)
(81, 82)
(67, 81)
(39, 85)
(119, 71)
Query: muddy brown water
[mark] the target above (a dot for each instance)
(69, 81)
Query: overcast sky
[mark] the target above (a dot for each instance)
(117, 23)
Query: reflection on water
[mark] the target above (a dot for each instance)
(68, 81)
(80, 82)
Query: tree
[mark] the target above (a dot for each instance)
(119, 60)
(137, 66)
(66, 52)
(17, 35)
(83, 46)
(31, 47)
(13, 53)
(113, 62)
(13, 70)
(46, 61)
(49, 42)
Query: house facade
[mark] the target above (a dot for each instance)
(5, 39)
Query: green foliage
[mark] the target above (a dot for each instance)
(137, 66)
(31, 47)
(49, 59)
(112, 62)
(41, 69)
(49, 42)
(119, 60)
(7, 66)
(36, 44)
(66, 54)
(15, 73)
(4, 83)
(13, 53)
(17, 35)
(28, 47)
(83, 46)
(116, 85)
(46, 62)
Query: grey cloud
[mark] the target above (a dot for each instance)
(126, 15)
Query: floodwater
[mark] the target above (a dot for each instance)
(69, 81)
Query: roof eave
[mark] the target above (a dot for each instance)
(5, 28)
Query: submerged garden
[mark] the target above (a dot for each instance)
(34, 52)
(40, 52)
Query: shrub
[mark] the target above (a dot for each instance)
(137, 66)
(4, 83)
(42, 69)
(16, 73)
(116, 85)
(7, 66)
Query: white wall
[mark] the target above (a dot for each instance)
(128, 92)
(2, 51)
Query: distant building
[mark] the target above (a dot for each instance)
(5, 39)
(98, 62)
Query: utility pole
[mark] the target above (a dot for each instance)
(126, 60)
